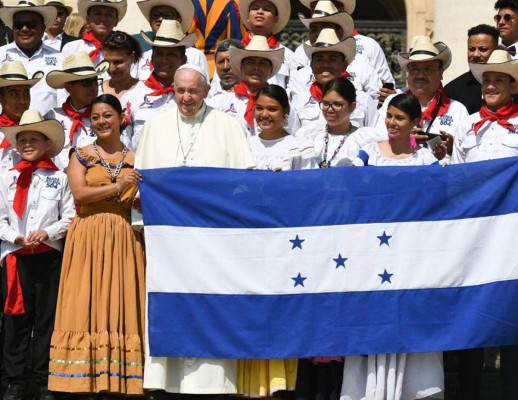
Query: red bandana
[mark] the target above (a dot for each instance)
(90, 38)
(355, 32)
(241, 90)
(77, 117)
(153, 83)
(272, 40)
(501, 116)
(5, 120)
(316, 90)
(427, 114)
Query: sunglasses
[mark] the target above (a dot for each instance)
(117, 37)
(164, 15)
(28, 24)
(61, 13)
(89, 82)
(506, 17)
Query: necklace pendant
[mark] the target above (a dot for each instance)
(113, 180)
(324, 164)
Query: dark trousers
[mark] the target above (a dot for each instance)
(39, 278)
(509, 372)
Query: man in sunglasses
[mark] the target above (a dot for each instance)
(29, 23)
(54, 36)
(506, 21)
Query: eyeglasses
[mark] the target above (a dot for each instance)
(507, 18)
(20, 24)
(89, 82)
(164, 15)
(336, 106)
(117, 37)
(425, 71)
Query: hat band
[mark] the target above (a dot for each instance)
(323, 44)
(425, 52)
(79, 69)
(14, 76)
(26, 3)
(164, 39)
(320, 13)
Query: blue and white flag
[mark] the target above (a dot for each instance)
(256, 264)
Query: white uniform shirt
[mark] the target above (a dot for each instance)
(284, 154)
(54, 43)
(491, 142)
(46, 59)
(50, 207)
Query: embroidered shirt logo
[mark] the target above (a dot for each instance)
(7, 59)
(52, 182)
(446, 120)
(359, 48)
(53, 61)
(231, 109)
(147, 101)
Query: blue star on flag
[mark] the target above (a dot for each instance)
(297, 243)
(384, 239)
(299, 280)
(385, 277)
(340, 261)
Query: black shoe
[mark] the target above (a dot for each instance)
(46, 394)
(14, 392)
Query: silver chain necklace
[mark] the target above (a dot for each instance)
(185, 155)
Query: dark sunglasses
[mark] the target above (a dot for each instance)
(164, 15)
(118, 37)
(61, 13)
(89, 82)
(507, 18)
(20, 24)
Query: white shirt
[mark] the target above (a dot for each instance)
(50, 207)
(45, 59)
(491, 142)
(372, 155)
(54, 43)
(283, 154)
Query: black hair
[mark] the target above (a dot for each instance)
(407, 103)
(121, 41)
(512, 4)
(109, 99)
(224, 45)
(276, 92)
(484, 29)
(343, 87)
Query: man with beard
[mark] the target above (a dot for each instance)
(226, 77)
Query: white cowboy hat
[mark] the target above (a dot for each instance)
(258, 47)
(33, 121)
(424, 50)
(325, 11)
(170, 34)
(184, 7)
(121, 6)
(60, 3)
(283, 13)
(76, 67)
(14, 73)
(48, 13)
(328, 41)
(349, 5)
(499, 61)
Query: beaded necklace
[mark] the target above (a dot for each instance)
(106, 166)
(325, 163)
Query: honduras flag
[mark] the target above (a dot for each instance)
(343, 261)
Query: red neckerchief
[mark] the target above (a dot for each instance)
(355, 32)
(90, 38)
(23, 182)
(5, 120)
(76, 116)
(316, 90)
(241, 90)
(153, 83)
(427, 115)
(14, 296)
(501, 116)
(273, 43)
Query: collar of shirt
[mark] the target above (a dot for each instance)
(46, 38)
(197, 118)
(42, 50)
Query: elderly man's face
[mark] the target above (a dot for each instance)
(159, 13)
(28, 29)
(224, 70)
(190, 91)
(424, 78)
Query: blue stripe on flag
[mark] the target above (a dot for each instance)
(229, 198)
(327, 324)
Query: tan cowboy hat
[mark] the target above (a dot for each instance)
(14, 73)
(328, 41)
(76, 67)
(184, 7)
(424, 50)
(60, 3)
(325, 11)
(258, 47)
(499, 61)
(48, 13)
(283, 13)
(170, 34)
(120, 5)
(349, 5)
(33, 121)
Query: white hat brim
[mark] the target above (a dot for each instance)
(184, 7)
(237, 56)
(83, 6)
(341, 19)
(444, 55)
(347, 47)
(57, 79)
(49, 14)
(283, 13)
(21, 80)
(50, 128)
(188, 41)
(510, 68)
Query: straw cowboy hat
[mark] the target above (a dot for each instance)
(424, 50)
(48, 13)
(60, 3)
(328, 41)
(76, 67)
(349, 5)
(121, 6)
(325, 11)
(14, 73)
(283, 13)
(184, 7)
(33, 121)
(499, 61)
(258, 47)
(170, 34)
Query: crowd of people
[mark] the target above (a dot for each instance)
(84, 107)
